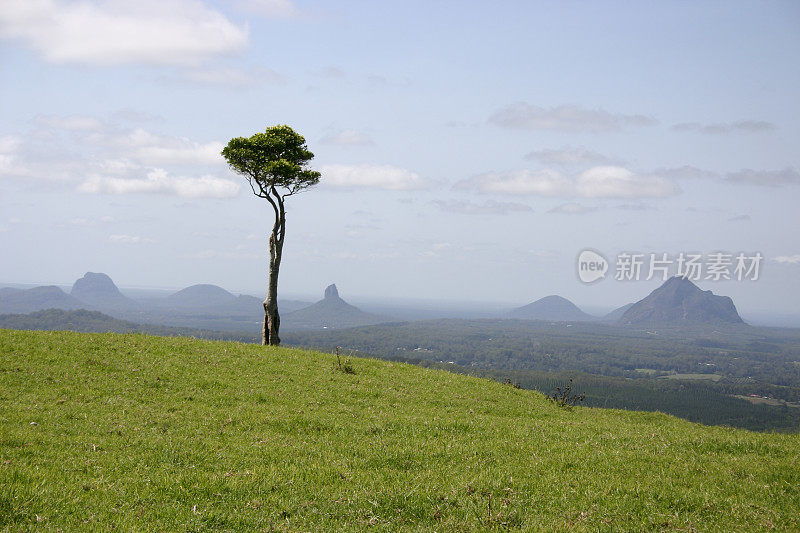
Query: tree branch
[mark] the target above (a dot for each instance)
(282, 212)
(252, 188)
(277, 213)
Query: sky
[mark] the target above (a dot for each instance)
(469, 151)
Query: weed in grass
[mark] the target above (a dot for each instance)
(565, 397)
(346, 366)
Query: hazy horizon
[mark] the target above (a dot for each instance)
(422, 308)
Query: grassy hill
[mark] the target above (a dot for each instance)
(145, 433)
(94, 321)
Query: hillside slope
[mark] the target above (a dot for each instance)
(96, 322)
(101, 431)
(45, 297)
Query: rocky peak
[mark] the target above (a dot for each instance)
(99, 290)
(679, 301)
(331, 292)
(96, 283)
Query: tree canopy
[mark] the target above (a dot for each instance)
(275, 159)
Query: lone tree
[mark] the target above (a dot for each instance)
(274, 164)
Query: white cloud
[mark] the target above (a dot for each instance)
(102, 158)
(9, 144)
(139, 146)
(573, 118)
(129, 239)
(769, 178)
(746, 176)
(133, 115)
(744, 126)
(618, 182)
(89, 222)
(686, 172)
(788, 259)
(386, 177)
(231, 76)
(239, 252)
(332, 72)
(597, 182)
(636, 207)
(489, 207)
(612, 181)
(270, 8)
(569, 156)
(347, 138)
(528, 182)
(572, 208)
(70, 122)
(159, 181)
(181, 151)
(114, 32)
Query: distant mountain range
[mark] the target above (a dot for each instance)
(330, 312)
(676, 302)
(198, 306)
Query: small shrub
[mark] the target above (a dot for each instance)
(565, 398)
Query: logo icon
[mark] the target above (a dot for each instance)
(591, 266)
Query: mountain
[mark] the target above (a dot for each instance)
(204, 298)
(209, 299)
(617, 313)
(97, 290)
(5, 291)
(330, 312)
(553, 308)
(680, 302)
(201, 296)
(38, 298)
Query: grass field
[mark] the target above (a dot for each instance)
(767, 401)
(711, 377)
(101, 431)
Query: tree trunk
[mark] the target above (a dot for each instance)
(272, 320)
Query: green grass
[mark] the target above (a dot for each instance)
(101, 431)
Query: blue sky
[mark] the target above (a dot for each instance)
(469, 150)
